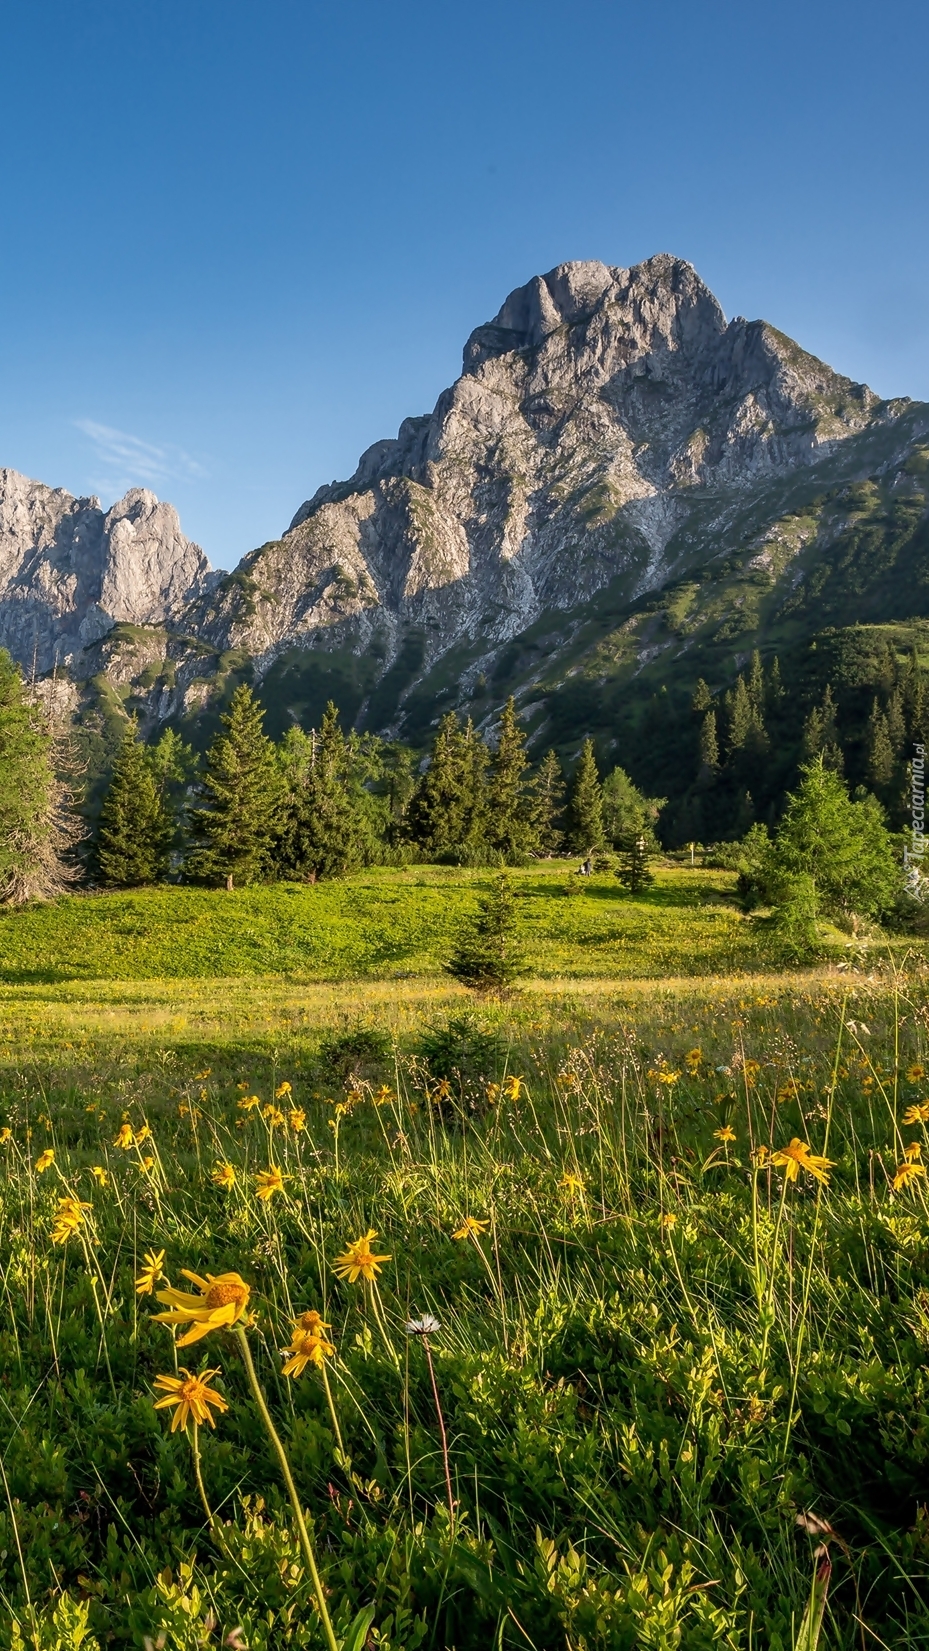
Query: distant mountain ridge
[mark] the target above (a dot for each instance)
(611, 438)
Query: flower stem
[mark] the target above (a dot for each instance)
(438, 1410)
(302, 1531)
(195, 1452)
(332, 1410)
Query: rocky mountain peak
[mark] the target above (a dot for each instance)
(70, 571)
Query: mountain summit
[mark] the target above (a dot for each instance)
(614, 451)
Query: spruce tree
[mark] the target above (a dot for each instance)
(709, 745)
(174, 768)
(488, 957)
(880, 750)
(546, 806)
(323, 833)
(702, 698)
(585, 805)
(741, 717)
(136, 826)
(243, 795)
(756, 687)
(821, 734)
(509, 821)
(447, 816)
(635, 849)
(37, 826)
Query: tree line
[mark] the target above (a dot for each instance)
(314, 805)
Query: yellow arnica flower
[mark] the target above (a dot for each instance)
(761, 1156)
(382, 1096)
(192, 1395)
(99, 1174)
(493, 1093)
(297, 1119)
(307, 1345)
(222, 1301)
(6, 1134)
(125, 1138)
(693, 1058)
(727, 1134)
(797, 1156)
(571, 1184)
(68, 1217)
(152, 1270)
(915, 1073)
(274, 1116)
(913, 1152)
(669, 1077)
(471, 1227)
(907, 1173)
(918, 1114)
(146, 1165)
(513, 1088)
(45, 1160)
(282, 1090)
(668, 1220)
(143, 1134)
(357, 1260)
(268, 1182)
(248, 1102)
(224, 1175)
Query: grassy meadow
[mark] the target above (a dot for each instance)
(665, 1354)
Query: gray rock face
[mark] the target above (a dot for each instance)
(609, 427)
(69, 571)
(597, 412)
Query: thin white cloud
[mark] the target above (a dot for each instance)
(126, 461)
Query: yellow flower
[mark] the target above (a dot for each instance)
(68, 1217)
(249, 1102)
(669, 1077)
(493, 1093)
(790, 1089)
(571, 1184)
(297, 1119)
(274, 1116)
(99, 1174)
(727, 1134)
(224, 1175)
(913, 1152)
(693, 1059)
(143, 1134)
(760, 1156)
(471, 1228)
(668, 1220)
(146, 1165)
(268, 1182)
(282, 1090)
(798, 1156)
(125, 1138)
(222, 1301)
(6, 1134)
(907, 1172)
(357, 1261)
(750, 1071)
(382, 1096)
(192, 1395)
(513, 1087)
(917, 1114)
(199, 1076)
(45, 1160)
(152, 1271)
(915, 1073)
(307, 1345)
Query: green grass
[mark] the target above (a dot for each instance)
(380, 924)
(637, 1411)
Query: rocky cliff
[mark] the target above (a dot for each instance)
(611, 435)
(69, 571)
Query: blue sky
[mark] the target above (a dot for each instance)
(242, 241)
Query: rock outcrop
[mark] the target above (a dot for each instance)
(70, 571)
(610, 432)
(594, 415)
